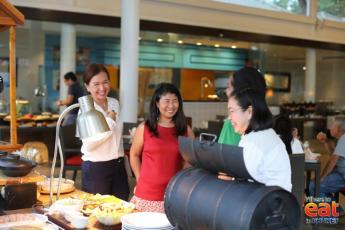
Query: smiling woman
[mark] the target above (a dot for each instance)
(107, 158)
(239, 117)
(154, 155)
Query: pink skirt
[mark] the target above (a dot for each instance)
(147, 205)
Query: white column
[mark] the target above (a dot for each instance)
(310, 75)
(129, 60)
(36, 40)
(67, 54)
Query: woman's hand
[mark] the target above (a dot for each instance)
(112, 114)
(224, 176)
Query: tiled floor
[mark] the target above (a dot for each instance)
(316, 147)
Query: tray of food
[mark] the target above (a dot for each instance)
(88, 209)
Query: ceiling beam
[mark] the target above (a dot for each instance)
(115, 22)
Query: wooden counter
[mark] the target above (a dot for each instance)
(30, 178)
(10, 147)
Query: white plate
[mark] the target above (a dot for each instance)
(62, 205)
(146, 220)
(31, 219)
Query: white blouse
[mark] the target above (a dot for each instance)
(105, 146)
(266, 158)
(296, 146)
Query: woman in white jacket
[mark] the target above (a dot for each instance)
(103, 169)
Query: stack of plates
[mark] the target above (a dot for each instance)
(146, 220)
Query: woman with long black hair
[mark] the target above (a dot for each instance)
(155, 157)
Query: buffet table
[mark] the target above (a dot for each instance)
(59, 219)
(62, 222)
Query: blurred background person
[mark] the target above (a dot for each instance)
(154, 156)
(103, 169)
(74, 91)
(283, 127)
(333, 175)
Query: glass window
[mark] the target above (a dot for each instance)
(198, 65)
(288, 6)
(332, 9)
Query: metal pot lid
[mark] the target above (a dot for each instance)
(15, 162)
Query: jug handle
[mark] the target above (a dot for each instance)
(203, 135)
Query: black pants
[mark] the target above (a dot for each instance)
(106, 178)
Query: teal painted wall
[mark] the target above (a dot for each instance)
(151, 54)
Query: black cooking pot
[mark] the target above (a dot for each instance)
(15, 166)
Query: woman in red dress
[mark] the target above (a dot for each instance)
(155, 157)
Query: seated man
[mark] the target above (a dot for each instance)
(333, 176)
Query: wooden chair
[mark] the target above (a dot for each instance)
(70, 146)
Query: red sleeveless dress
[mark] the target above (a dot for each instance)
(161, 160)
